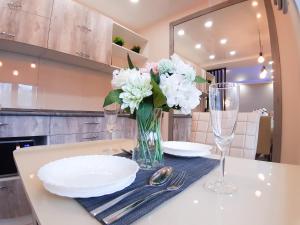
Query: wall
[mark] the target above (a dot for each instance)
(49, 85)
(256, 96)
(289, 44)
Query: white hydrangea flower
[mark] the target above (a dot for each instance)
(137, 87)
(165, 66)
(180, 92)
(120, 77)
(182, 68)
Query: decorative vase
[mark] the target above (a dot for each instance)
(148, 152)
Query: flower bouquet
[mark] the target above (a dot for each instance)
(146, 92)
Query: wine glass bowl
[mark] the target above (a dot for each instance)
(224, 108)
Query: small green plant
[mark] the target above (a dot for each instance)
(136, 49)
(119, 41)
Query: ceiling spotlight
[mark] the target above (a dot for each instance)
(271, 71)
(271, 62)
(33, 65)
(260, 58)
(1, 64)
(198, 46)
(272, 77)
(15, 72)
(254, 3)
(208, 24)
(212, 57)
(223, 41)
(134, 1)
(258, 15)
(180, 32)
(263, 73)
(232, 53)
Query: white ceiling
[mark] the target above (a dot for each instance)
(144, 13)
(237, 23)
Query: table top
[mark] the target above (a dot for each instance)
(268, 193)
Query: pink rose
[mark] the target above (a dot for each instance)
(153, 66)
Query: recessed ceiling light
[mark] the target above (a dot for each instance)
(258, 15)
(1, 64)
(198, 46)
(232, 53)
(271, 62)
(134, 1)
(180, 32)
(271, 71)
(272, 77)
(254, 3)
(212, 57)
(15, 72)
(208, 24)
(33, 65)
(223, 41)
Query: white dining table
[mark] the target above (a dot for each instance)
(268, 193)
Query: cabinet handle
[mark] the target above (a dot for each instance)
(84, 28)
(92, 123)
(90, 138)
(3, 188)
(3, 124)
(14, 5)
(83, 55)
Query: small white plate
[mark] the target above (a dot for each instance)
(186, 149)
(88, 176)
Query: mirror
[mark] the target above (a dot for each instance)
(230, 42)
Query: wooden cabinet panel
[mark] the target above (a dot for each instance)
(23, 27)
(22, 126)
(75, 125)
(13, 202)
(75, 138)
(36, 7)
(77, 30)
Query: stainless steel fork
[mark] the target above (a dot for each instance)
(175, 184)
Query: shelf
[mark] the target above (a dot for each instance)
(119, 56)
(130, 37)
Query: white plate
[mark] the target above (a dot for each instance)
(88, 176)
(186, 149)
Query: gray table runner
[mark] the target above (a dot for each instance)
(194, 167)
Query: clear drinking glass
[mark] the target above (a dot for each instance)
(110, 116)
(224, 108)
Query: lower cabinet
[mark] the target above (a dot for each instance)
(14, 206)
(74, 138)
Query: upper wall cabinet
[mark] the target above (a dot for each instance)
(36, 7)
(78, 30)
(22, 21)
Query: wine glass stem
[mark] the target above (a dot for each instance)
(222, 167)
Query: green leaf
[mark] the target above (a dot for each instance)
(113, 97)
(159, 99)
(144, 111)
(130, 64)
(154, 76)
(200, 80)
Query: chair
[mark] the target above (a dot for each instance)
(244, 143)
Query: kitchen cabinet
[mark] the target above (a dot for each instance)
(24, 26)
(78, 30)
(37, 7)
(75, 138)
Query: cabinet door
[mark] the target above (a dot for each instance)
(64, 35)
(23, 27)
(78, 30)
(36, 7)
(99, 39)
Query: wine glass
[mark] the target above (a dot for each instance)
(110, 116)
(224, 108)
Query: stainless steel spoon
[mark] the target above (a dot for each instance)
(160, 177)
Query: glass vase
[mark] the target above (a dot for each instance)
(148, 152)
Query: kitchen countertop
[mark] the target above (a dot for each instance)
(268, 193)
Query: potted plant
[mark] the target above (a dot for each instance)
(119, 41)
(136, 49)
